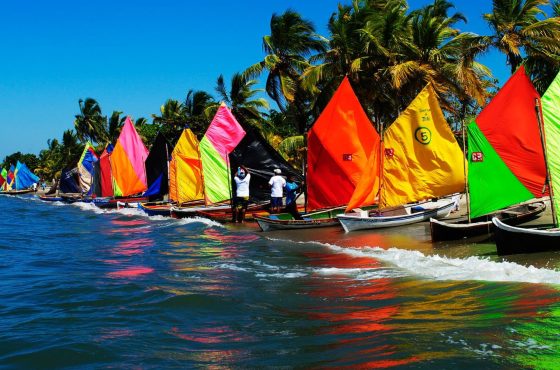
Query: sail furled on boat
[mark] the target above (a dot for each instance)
(220, 139)
(185, 170)
(157, 164)
(421, 157)
(338, 147)
(506, 160)
(551, 118)
(261, 159)
(24, 178)
(127, 162)
(86, 168)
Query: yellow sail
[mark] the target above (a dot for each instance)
(185, 170)
(422, 159)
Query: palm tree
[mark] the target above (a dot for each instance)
(241, 98)
(172, 118)
(195, 108)
(114, 127)
(519, 33)
(291, 41)
(390, 54)
(90, 123)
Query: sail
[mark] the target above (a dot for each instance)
(3, 175)
(185, 170)
(492, 185)
(222, 136)
(506, 160)
(367, 189)
(551, 118)
(10, 179)
(510, 125)
(127, 162)
(69, 182)
(260, 158)
(339, 144)
(422, 159)
(86, 168)
(24, 177)
(106, 176)
(156, 165)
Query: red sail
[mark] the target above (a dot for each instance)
(106, 179)
(339, 144)
(510, 124)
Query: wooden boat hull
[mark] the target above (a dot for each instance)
(16, 192)
(483, 226)
(220, 212)
(267, 224)
(515, 239)
(47, 198)
(156, 208)
(358, 222)
(113, 203)
(323, 218)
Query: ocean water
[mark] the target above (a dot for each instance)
(86, 288)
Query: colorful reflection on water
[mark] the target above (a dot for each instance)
(126, 291)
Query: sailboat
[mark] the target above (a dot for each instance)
(339, 144)
(418, 160)
(22, 180)
(207, 166)
(261, 159)
(127, 169)
(103, 180)
(157, 174)
(514, 239)
(506, 164)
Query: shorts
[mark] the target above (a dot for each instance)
(241, 202)
(276, 202)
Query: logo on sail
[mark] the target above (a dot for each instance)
(477, 157)
(423, 135)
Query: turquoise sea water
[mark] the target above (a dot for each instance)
(85, 288)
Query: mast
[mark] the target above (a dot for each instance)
(547, 178)
(381, 160)
(465, 153)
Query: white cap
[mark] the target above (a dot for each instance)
(277, 171)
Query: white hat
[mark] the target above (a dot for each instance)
(277, 171)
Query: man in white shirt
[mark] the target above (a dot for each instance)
(277, 184)
(241, 200)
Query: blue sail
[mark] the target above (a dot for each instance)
(24, 177)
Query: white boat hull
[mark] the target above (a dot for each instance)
(353, 222)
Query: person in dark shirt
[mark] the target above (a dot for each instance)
(292, 188)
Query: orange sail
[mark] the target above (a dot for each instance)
(339, 144)
(127, 162)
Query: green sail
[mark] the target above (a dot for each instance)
(492, 185)
(551, 115)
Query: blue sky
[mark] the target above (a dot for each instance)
(133, 55)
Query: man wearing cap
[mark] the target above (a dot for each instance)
(276, 183)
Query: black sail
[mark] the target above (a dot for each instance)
(261, 159)
(157, 168)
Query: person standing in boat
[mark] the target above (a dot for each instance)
(277, 184)
(292, 188)
(241, 199)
